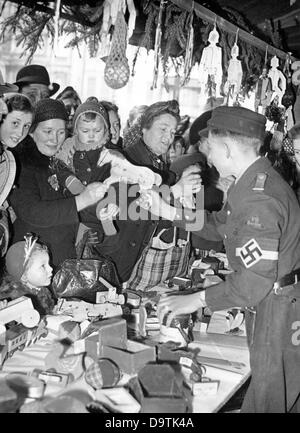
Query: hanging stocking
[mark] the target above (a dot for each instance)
(189, 51)
(211, 63)
(56, 27)
(116, 72)
(157, 46)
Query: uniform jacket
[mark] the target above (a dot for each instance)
(41, 208)
(260, 226)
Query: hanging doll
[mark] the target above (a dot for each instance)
(210, 67)
(278, 81)
(263, 91)
(234, 77)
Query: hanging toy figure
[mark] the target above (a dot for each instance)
(278, 81)
(234, 78)
(210, 67)
(263, 92)
(289, 97)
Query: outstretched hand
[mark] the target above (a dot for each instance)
(176, 305)
(91, 195)
(189, 183)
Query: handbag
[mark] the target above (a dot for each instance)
(79, 278)
(157, 265)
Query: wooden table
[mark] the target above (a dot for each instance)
(221, 348)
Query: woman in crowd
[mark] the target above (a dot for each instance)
(14, 127)
(39, 202)
(115, 124)
(158, 126)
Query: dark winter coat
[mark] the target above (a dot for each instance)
(125, 247)
(41, 207)
(42, 298)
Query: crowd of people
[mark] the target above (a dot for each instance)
(56, 194)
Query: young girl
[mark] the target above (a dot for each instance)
(28, 273)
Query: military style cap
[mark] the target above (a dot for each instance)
(199, 127)
(238, 119)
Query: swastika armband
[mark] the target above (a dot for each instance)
(251, 253)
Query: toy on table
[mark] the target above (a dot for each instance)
(122, 171)
(20, 326)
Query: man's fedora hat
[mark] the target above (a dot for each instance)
(36, 74)
(5, 87)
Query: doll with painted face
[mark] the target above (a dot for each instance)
(28, 273)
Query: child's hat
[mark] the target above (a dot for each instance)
(18, 256)
(91, 106)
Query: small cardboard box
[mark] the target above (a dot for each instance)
(132, 358)
(170, 403)
(111, 331)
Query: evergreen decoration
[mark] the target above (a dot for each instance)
(82, 21)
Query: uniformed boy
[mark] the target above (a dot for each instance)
(260, 226)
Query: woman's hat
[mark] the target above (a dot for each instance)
(5, 87)
(36, 74)
(47, 109)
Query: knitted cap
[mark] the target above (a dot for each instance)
(18, 255)
(91, 106)
(47, 109)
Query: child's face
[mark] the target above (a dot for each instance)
(39, 272)
(115, 127)
(175, 150)
(91, 132)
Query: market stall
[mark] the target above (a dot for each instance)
(44, 373)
